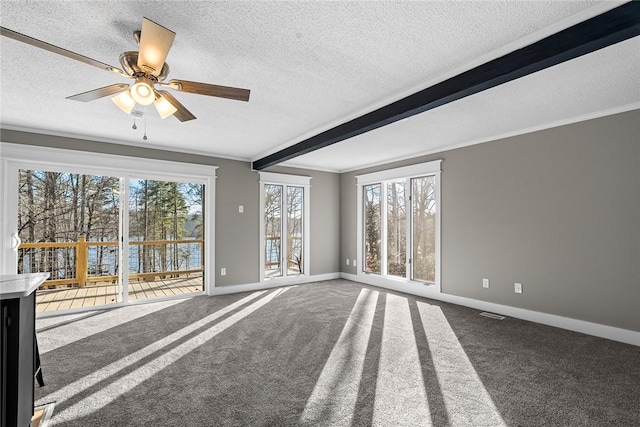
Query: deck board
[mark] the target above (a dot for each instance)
(90, 296)
(66, 299)
(104, 293)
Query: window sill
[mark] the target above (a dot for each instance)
(285, 279)
(399, 283)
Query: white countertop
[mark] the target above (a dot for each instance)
(20, 285)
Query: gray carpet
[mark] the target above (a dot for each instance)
(329, 353)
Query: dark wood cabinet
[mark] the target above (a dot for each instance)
(18, 325)
(17, 339)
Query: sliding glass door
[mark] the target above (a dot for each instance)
(104, 238)
(166, 238)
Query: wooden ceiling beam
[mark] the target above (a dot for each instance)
(614, 26)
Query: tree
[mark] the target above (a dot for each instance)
(159, 212)
(273, 223)
(372, 232)
(61, 207)
(295, 201)
(424, 206)
(396, 229)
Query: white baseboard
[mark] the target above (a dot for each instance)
(582, 326)
(269, 284)
(603, 331)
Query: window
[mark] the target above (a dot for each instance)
(398, 223)
(284, 225)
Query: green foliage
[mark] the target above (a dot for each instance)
(159, 211)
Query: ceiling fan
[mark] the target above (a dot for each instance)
(147, 68)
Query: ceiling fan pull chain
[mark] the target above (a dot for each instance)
(145, 126)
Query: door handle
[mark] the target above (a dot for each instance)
(15, 241)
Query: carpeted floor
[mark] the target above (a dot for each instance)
(332, 353)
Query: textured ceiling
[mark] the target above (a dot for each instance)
(310, 66)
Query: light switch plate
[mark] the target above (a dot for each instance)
(517, 287)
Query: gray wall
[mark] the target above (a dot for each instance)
(557, 210)
(237, 235)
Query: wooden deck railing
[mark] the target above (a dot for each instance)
(68, 262)
(294, 263)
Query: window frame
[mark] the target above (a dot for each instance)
(286, 181)
(384, 177)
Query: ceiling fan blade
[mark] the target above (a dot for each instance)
(210, 90)
(99, 93)
(60, 51)
(182, 114)
(155, 42)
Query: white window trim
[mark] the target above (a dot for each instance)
(287, 180)
(412, 171)
(17, 156)
(432, 168)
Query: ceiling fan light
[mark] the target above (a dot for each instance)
(124, 101)
(142, 92)
(164, 107)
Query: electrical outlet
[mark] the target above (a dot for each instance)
(485, 283)
(347, 261)
(354, 263)
(223, 271)
(517, 287)
(240, 209)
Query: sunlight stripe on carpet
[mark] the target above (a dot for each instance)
(334, 396)
(101, 374)
(401, 398)
(110, 318)
(467, 401)
(112, 391)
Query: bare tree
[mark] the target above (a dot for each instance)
(372, 234)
